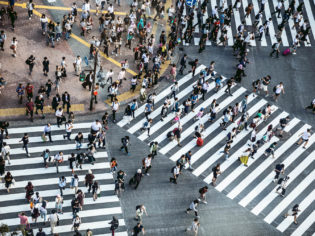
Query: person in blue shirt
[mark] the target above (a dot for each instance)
(194, 100)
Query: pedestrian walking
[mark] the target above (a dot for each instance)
(146, 164)
(68, 127)
(304, 138)
(153, 148)
(138, 229)
(282, 184)
(47, 131)
(293, 212)
(115, 108)
(194, 227)
(30, 109)
(244, 157)
(278, 90)
(89, 177)
(45, 66)
(175, 172)
(62, 184)
(29, 191)
(114, 223)
(23, 222)
(216, 171)
(193, 207)
(279, 169)
(276, 48)
(54, 220)
(25, 141)
(66, 101)
(96, 190)
(140, 210)
(271, 150)
(283, 124)
(46, 157)
(136, 179)
(183, 64)
(59, 204)
(9, 180)
(125, 141)
(30, 62)
(76, 223)
(58, 159)
(5, 152)
(202, 194)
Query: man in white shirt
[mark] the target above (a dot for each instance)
(59, 116)
(304, 138)
(194, 226)
(147, 164)
(57, 160)
(109, 76)
(47, 131)
(5, 152)
(69, 128)
(53, 218)
(175, 172)
(96, 127)
(279, 88)
(77, 65)
(121, 76)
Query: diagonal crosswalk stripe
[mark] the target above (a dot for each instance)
(290, 197)
(163, 94)
(253, 175)
(285, 224)
(263, 184)
(191, 129)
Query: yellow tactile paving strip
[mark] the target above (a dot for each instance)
(23, 5)
(47, 109)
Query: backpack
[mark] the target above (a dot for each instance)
(274, 89)
(199, 142)
(201, 190)
(274, 46)
(280, 181)
(138, 207)
(133, 106)
(173, 168)
(239, 28)
(151, 144)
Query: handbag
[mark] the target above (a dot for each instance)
(58, 220)
(44, 138)
(12, 47)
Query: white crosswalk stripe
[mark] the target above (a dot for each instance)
(252, 185)
(288, 34)
(95, 215)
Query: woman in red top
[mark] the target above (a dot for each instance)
(29, 188)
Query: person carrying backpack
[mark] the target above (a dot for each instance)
(175, 172)
(114, 225)
(125, 143)
(153, 148)
(282, 184)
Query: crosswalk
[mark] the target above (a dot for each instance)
(95, 215)
(252, 187)
(288, 34)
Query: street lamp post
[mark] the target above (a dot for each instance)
(93, 82)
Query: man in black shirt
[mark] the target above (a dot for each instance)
(183, 64)
(138, 229)
(283, 123)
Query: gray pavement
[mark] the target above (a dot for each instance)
(166, 203)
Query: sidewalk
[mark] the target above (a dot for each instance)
(166, 203)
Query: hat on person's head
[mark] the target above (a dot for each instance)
(139, 171)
